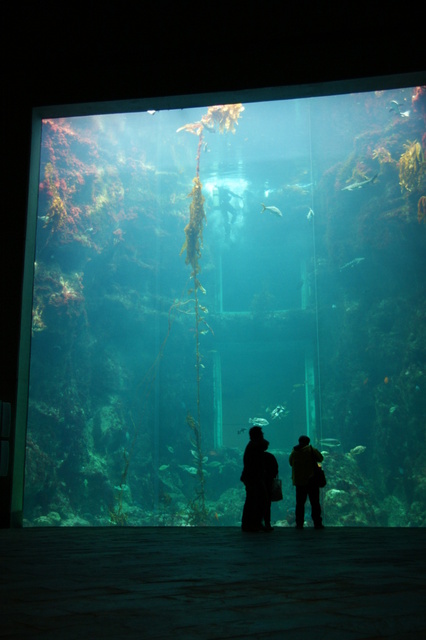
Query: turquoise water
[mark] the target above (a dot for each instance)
(147, 365)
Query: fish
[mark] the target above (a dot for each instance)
(310, 214)
(272, 210)
(198, 456)
(280, 411)
(394, 106)
(258, 422)
(122, 487)
(240, 431)
(299, 385)
(352, 263)
(330, 442)
(192, 470)
(298, 187)
(359, 185)
(357, 450)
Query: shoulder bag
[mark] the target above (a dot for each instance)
(277, 490)
(319, 475)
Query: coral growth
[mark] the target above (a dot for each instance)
(382, 155)
(419, 100)
(57, 213)
(412, 167)
(69, 294)
(38, 323)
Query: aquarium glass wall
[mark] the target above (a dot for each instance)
(201, 270)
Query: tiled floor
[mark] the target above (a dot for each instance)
(207, 583)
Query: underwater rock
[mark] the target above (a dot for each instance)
(52, 519)
(229, 507)
(417, 514)
(336, 495)
(396, 513)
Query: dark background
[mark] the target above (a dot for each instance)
(57, 53)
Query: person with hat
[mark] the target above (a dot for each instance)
(302, 460)
(253, 477)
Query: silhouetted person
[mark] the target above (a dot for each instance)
(271, 472)
(253, 477)
(303, 459)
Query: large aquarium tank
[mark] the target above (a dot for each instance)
(199, 270)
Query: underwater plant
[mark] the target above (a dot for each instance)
(382, 155)
(223, 118)
(411, 167)
(421, 210)
(117, 513)
(194, 228)
(197, 507)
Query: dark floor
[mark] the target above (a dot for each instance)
(205, 583)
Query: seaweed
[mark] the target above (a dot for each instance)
(412, 167)
(223, 118)
(197, 507)
(421, 210)
(194, 228)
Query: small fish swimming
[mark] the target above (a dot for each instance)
(357, 450)
(198, 456)
(258, 422)
(299, 385)
(240, 431)
(359, 185)
(330, 442)
(280, 412)
(274, 210)
(192, 470)
(395, 106)
(352, 263)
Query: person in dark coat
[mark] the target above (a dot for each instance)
(271, 472)
(303, 459)
(253, 477)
